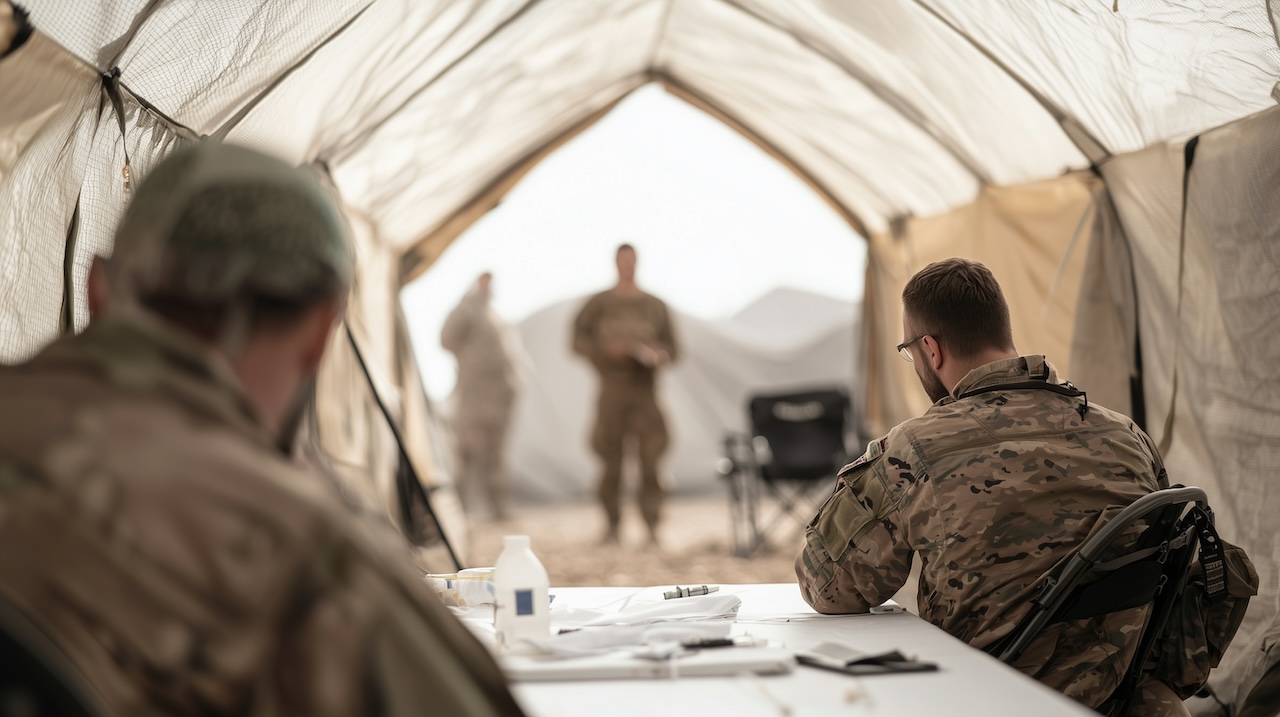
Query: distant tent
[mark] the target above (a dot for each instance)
(705, 393)
(1051, 139)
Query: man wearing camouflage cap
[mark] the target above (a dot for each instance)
(1001, 478)
(150, 520)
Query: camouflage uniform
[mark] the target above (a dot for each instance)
(150, 523)
(484, 396)
(992, 491)
(627, 404)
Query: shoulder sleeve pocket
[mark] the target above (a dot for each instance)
(858, 502)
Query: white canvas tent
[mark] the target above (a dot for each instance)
(785, 340)
(934, 127)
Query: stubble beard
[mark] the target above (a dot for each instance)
(933, 385)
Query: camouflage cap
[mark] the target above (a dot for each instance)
(214, 223)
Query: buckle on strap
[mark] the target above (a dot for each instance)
(1213, 558)
(1050, 582)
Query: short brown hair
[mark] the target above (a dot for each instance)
(959, 303)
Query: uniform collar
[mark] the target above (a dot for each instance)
(1013, 370)
(130, 348)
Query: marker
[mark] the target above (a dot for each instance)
(680, 592)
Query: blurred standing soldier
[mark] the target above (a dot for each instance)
(484, 396)
(627, 335)
(151, 520)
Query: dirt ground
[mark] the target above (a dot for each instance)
(694, 546)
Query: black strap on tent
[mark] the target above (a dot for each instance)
(67, 317)
(111, 85)
(407, 480)
(1188, 158)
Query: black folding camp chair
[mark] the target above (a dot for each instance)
(36, 679)
(1152, 570)
(796, 444)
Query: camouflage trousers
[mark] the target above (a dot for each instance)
(482, 466)
(629, 411)
(1156, 699)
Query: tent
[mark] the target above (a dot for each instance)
(1114, 161)
(786, 340)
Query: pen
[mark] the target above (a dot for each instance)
(680, 592)
(704, 642)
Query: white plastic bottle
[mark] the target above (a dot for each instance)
(521, 605)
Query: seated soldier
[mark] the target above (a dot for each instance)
(151, 521)
(1001, 478)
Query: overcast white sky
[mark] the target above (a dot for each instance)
(717, 223)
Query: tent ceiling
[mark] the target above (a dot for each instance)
(891, 107)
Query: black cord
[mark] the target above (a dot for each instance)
(407, 478)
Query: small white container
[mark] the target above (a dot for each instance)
(521, 603)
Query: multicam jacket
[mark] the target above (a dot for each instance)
(487, 371)
(607, 317)
(991, 487)
(148, 525)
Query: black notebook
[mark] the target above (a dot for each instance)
(842, 658)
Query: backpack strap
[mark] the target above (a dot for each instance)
(1213, 557)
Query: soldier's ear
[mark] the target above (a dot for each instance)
(933, 352)
(96, 288)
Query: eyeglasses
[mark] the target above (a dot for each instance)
(902, 347)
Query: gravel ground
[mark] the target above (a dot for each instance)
(694, 547)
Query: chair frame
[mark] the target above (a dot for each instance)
(1166, 510)
(743, 469)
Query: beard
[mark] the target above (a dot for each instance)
(932, 384)
(298, 411)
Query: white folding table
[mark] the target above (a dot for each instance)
(968, 682)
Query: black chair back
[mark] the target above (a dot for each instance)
(805, 433)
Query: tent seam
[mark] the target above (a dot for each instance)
(894, 100)
(358, 142)
(126, 40)
(1271, 17)
(1059, 114)
(221, 133)
(663, 25)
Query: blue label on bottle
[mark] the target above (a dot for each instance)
(524, 602)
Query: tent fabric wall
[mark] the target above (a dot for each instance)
(1210, 312)
(1104, 345)
(947, 110)
(1124, 70)
(1033, 237)
(901, 107)
(47, 100)
(63, 166)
